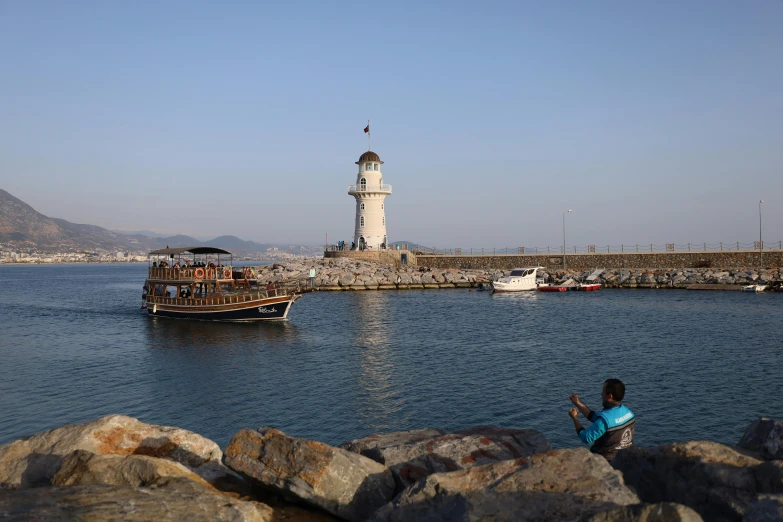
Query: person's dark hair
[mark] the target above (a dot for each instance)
(616, 388)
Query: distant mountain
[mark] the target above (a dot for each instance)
(20, 222)
(22, 226)
(148, 233)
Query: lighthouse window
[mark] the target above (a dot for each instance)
(381, 206)
(384, 221)
(375, 166)
(368, 166)
(361, 206)
(361, 221)
(363, 183)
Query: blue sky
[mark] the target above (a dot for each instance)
(655, 122)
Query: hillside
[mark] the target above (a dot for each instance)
(21, 226)
(20, 222)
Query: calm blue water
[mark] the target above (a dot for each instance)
(74, 346)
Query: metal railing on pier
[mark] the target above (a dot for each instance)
(604, 249)
(347, 248)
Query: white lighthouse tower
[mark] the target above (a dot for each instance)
(370, 192)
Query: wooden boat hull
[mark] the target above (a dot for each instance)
(267, 309)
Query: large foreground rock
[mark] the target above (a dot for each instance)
(343, 483)
(764, 436)
(187, 502)
(662, 512)
(413, 455)
(83, 467)
(558, 485)
(718, 481)
(34, 460)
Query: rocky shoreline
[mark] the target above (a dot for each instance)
(118, 468)
(341, 274)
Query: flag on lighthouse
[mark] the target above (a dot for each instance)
(367, 128)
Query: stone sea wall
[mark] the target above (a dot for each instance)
(733, 259)
(338, 274)
(118, 468)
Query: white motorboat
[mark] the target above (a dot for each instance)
(754, 288)
(519, 280)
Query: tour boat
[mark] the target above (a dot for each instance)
(754, 288)
(519, 280)
(186, 283)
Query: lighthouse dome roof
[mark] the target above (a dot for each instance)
(369, 156)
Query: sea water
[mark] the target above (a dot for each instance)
(74, 346)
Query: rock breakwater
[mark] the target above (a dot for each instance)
(118, 468)
(336, 274)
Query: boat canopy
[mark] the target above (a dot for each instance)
(189, 250)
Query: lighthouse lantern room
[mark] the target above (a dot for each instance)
(370, 193)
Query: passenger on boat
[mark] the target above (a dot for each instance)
(187, 264)
(271, 291)
(176, 265)
(154, 264)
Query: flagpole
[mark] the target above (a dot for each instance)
(369, 131)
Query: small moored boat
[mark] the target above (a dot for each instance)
(553, 288)
(754, 288)
(519, 280)
(587, 287)
(204, 288)
(579, 287)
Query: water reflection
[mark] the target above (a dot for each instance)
(531, 297)
(381, 402)
(175, 333)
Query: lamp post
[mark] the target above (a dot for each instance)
(564, 245)
(761, 244)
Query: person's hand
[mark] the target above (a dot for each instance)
(573, 412)
(575, 399)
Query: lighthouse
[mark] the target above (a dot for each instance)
(370, 193)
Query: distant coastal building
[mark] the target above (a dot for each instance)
(370, 193)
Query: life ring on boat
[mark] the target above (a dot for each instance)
(199, 273)
(226, 273)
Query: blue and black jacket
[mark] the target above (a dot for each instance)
(611, 431)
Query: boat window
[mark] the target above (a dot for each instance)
(517, 272)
